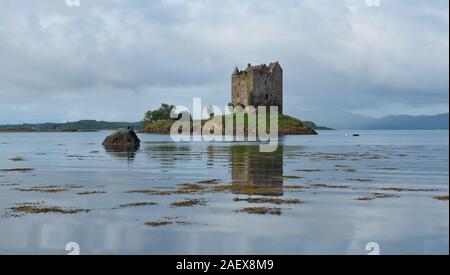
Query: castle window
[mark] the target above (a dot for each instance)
(267, 96)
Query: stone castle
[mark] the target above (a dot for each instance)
(260, 85)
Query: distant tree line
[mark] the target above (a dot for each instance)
(76, 125)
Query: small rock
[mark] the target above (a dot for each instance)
(124, 140)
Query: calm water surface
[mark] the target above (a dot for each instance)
(378, 187)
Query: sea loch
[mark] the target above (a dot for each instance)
(329, 194)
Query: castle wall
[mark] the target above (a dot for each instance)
(268, 88)
(242, 88)
(277, 88)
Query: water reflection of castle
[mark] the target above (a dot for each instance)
(257, 173)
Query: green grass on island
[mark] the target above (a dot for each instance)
(287, 125)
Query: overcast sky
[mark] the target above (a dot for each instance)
(115, 59)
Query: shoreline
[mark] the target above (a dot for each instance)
(5, 130)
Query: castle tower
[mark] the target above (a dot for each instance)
(258, 86)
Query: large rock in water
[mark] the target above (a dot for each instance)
(124, 140)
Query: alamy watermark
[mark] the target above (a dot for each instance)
(373, 3)
(73, 3)
(73, 248)
(373, 248)
(77, 3)
(233, 123)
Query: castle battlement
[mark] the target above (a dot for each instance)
(260, 85)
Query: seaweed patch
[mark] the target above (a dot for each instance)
(150, 192)
(210, 181)
(441, 198)
(270, 200)
(17, 158)
(262, 210)
(188, 188)
(49, 188)
(39, 208)
(20, 170)
(190, 203)
(395, 189)
(375, 196)
(360, 180)
(320, 185)
(137, 204)
(167, 221)
(91, 193)
(292, 177)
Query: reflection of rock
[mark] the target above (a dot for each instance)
(255, 173)
(126, 155)
(124, 140)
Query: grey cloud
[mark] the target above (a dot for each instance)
(335, 54)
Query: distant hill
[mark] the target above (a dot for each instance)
(315, 127)
(346, 120)
(76, 125)
(336, 119)
(406, 122)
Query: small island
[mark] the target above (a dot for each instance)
(287, 125)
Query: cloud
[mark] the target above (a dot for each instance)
(335, 54)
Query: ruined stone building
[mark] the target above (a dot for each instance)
(258, 86)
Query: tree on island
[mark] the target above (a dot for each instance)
(163, 113)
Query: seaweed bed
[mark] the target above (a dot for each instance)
(39, 208)
(193, 188)
(269, 200)
(49, 189)
(262, 210)
(188, 188)
(210, 181)
(441, 198)
(159, 223)
(320, 185)
(17, 158)
(137, 204)
(360, 180)
(309, 170)
(189, 203)
(91, 193)
(291, 177)
(408, 190)
(150, 192)
(21, 170)
(375, 196)
(294, 187)
(167, 221)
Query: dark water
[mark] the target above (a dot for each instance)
(378, 187)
